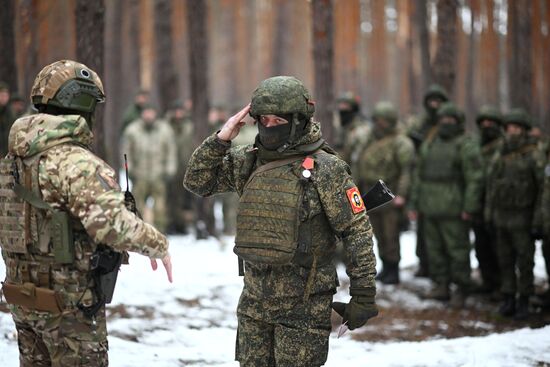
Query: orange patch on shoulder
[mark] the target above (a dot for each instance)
(355, 200)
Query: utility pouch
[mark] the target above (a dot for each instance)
(62, 237)
(29, 296)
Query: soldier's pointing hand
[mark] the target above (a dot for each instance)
(233, 126)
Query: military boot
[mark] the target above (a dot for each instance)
(440, 292)
(458, 299)
(392, 274)
(522, 309)
(508, 306)
(382, 274)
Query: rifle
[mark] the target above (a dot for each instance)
(129, 199)
(377, 196)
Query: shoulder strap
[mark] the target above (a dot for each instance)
(271, 165)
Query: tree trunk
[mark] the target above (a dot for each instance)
(421, 23)
(444, 65)
(198, 75)
(281, 44)
(167, 78)
(323, 59)
(8, 66)
(90, 17)
(520, 68)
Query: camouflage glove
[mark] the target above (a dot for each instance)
(360, 308)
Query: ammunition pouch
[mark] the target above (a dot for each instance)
(31, 297)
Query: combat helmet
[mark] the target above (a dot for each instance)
(450, 109)
(68, 85)
(385, 110)
(488, 112)
(351, 99)
(435, 90)
(284, 95)
(518, 116)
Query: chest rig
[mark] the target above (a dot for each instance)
(280, 219)
(442, 163)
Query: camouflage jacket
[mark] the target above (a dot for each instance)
(448, 178)
(151, 153)
(216, 167)
(73, 180)
(390, 159)
(514, 188)
(6, 119)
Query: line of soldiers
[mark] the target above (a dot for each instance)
(495, 182)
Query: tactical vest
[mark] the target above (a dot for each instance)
(44, 248)
(280, 220)
(441, 161)
(379, 162)
(514, 184)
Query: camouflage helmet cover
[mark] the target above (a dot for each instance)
(450, 109)
(518, 116)
(68, 84)
(385, 110)
(351, 99)
(488, 112)
(282, 95)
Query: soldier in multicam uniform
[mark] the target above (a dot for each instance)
(387, 155)
(425, 129)
(446, 191)
(58, 202)
(514, 190)
(296, 197)
(151, 148)
(489, 123)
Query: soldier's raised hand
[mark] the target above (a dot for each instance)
(167, 262)
(233, 126)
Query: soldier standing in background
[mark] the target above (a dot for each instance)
(544, 300)
(6, 118)
(52, 178)
(180, 203)
(489, 123)
(387, 155)
(290, 175)
(17, 106)
(446, 191)
(514, 190)
(425, 129)
(133, 112)
(151, 149)
(353, 129)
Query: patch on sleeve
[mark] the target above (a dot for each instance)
(106, 181)
(355, 200)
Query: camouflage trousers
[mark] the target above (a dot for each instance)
(157, 191)
(486, 254)
(283, 332)
(448, 246)
(65, 340)
(385, 223)
(516, 250)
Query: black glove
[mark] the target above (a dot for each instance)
(537, 233)
(358, 311)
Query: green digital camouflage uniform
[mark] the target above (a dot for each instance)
(153, 162)
(424, 129)
(490, 140)
(545, 211)
(285, 308)
(514, 190)
(386, 155)
(72, 179)
(447, 182)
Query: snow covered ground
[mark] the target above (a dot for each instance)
(192, 322)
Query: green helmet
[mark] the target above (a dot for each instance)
(488, 112)
(450, 109)
(68, 85)
(385, 110)
(282, 95)
(350, 98)
(435, 90)
(518, 116)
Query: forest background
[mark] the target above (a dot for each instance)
(215, 52)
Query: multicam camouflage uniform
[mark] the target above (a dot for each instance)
(153, 162)
(55, 164)
(387, 155)
(448, 180)
(285, 307)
